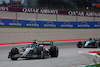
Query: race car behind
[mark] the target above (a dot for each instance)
(91, 42)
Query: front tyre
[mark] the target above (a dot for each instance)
(54, 51)
(13, 52)
(79, 45)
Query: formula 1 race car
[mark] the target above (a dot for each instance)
(34, 50)
(95, 43)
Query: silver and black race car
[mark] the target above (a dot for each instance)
(90, 43)
(34, 50)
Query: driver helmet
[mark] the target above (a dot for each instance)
(35, 42)
(90, 38)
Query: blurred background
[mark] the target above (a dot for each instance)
(82, 5)
(66, 5)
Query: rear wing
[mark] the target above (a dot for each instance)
(97, 39)
(46, 43)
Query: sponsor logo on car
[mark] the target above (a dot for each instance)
(15, 23)
(67, 24)
(83, 24)
(32, 23)
(49, 24)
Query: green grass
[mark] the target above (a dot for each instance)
(43, 27)
(98, 54)
(96, 65)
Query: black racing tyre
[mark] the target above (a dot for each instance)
(39, 50)
(13, 52)
(54, 51)
(99, 44)
(94, 44)
(79, 45)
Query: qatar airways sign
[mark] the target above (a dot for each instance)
(72, 13)
(89, 14)
(47, 11)
(31, 10)
(4, 9)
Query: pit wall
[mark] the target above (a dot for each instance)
(54, 24)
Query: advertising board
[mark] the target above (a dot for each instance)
(53, 24)
(97, 5)
(48, 11)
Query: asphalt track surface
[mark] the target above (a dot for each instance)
(68, 57)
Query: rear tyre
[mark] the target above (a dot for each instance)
(79, 45)
(54, 51)
(99, 44)
(13, 52)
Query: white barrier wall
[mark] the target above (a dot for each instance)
(44, 17)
